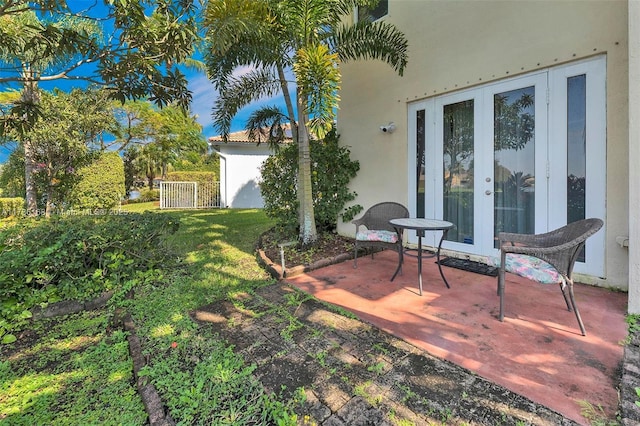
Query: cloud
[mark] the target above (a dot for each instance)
(205, 95)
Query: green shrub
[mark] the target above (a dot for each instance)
(331, 170)
(76, 258)
(11, 207)
(101, 184)
(188, 176)
(147, 195)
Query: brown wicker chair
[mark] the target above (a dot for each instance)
(379, 233)
(546, 258)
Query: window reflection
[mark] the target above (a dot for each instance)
(458, 135)
(420, 162)
(514, 165)
(365, 13)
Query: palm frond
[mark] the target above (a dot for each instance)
(319, 82)
(240, 33)
(267, 124)
(376, 40)
(241, 91)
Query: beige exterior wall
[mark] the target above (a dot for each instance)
(634, 156)
(459, 44)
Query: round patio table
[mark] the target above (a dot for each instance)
(421, 225)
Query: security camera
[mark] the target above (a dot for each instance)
(388, 128)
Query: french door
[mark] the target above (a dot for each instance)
(524, 155)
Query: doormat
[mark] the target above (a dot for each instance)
(470, 265)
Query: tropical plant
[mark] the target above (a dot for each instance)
(284, 42)
(331, 172)
(47, 40)
(76, 258)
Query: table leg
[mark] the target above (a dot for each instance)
(397, 270)
(444, 235)
(400, 257)
(420, 233)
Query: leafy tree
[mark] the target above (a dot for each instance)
(48, 41)
(61, 139)
(154, 139)
(194, 161)
(309, 38)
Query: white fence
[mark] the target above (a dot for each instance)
(189, 195)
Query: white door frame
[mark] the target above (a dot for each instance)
(550, 155)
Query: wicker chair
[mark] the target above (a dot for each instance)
(379, 233)
(546, 258)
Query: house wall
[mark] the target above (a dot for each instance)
(461, 44)
(240, 174)
(634, 156)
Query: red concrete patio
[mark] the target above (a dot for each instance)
(537, 351)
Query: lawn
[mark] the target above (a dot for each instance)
(77, 369)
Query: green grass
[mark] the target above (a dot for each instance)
(76, 373)
(83, 375)
(140, 207)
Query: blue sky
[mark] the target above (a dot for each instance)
(204, 96)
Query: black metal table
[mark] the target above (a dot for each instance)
(421, 225)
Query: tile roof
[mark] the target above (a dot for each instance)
(242, 137)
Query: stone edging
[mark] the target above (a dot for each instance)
(152, 402)
(275, 269)
(148, 394)
(629, 411)
(67, 307)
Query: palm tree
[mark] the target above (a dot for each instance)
(308, 38)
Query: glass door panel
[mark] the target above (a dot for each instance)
(420, 162)
(514, 161)
(457, 188)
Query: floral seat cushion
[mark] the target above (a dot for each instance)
(377, 235)
(530, 267)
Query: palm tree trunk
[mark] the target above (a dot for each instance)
(287, 101)
(306, 218)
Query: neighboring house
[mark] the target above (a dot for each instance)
(240, 162)
(511, 116)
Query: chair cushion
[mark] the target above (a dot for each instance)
(530, 267)
(377, 235)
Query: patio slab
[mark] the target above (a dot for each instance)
(537, 351)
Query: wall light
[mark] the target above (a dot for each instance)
(388, 128)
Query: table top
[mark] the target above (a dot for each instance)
(421, 224)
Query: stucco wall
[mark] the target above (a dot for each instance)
(240, 174)
(634, 156)
(456, 45)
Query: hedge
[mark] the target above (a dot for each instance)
(11, 206)
(101, 185)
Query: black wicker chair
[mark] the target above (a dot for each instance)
(546, 258)
(379, 233)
